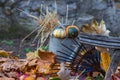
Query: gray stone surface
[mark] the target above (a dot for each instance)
(80, 10)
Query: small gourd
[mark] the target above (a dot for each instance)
(59, 33)
(72, 31)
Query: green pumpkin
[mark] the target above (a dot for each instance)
(72, 31)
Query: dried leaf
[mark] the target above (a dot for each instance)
(44, 67)
(95, 28)
(12, 74)
(32, 62)
(6, 66)
(2, 74)
(102, 49)
(114, 77)
(63, 74)
(3, 60)
(86, 28)
(94, 23)
(32, 55)
(40, 78)
(10, 67)
(5, 78)
(3, 53)
(31, 77)
(47, 56)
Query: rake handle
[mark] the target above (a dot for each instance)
(99, 40)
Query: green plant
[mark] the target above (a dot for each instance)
(18, 55)
(8, 42)
(27, 50)
(45, 48)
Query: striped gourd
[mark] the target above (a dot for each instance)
(59, 33)
(105, 60)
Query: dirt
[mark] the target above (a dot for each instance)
(14, 45)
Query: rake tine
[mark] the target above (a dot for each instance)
(63, 57)
(76, 42)
(64, 60)
(65, 54)
(72, 55)
(80, 46)
(59, 65)
(68, 48)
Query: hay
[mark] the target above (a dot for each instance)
(46, 23)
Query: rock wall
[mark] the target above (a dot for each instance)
(82, 11)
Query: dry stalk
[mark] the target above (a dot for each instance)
(46, 23)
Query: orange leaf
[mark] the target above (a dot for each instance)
(47, 56)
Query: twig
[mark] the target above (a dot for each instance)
(73, 22)
(28, 14)
(67, 15)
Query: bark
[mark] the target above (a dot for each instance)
(115, 60)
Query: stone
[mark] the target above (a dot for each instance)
(78, 10)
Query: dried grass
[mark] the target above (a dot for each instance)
(46, 23)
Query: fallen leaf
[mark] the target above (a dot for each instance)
(32, 55)
(3, 53)
(47, 56)
(64, 74)
(32, 62)
(7, 78)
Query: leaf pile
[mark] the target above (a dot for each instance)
(26, 69)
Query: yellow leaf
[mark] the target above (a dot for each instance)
(32, 55)
(31, 77)
(86, 28)
(3, 53)
(94, 23)
(102, 22)
(105, 60)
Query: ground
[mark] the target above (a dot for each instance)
(14, 45)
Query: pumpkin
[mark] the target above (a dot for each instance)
(72, 31)
(59, 33)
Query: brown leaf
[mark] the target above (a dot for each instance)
(6, 78)
(44, 67)
(40, 78)
(3, 60)
(12, 74)
(86, 28)
(114, 77)
(1, 74)
(47, 56)
(32, 62)
(102, 49)
(6, 66)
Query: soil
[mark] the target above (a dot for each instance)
(14, 45)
